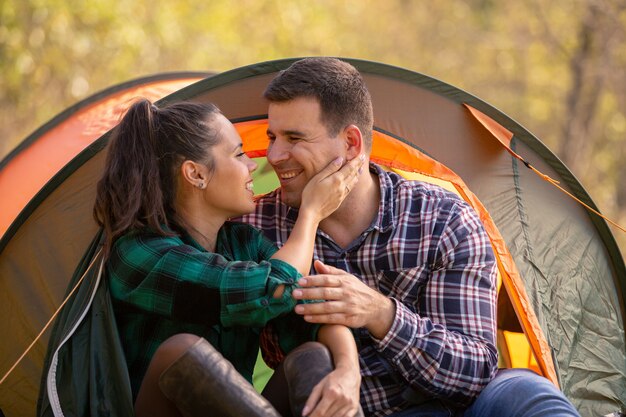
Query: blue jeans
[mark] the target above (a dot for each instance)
(512, 393)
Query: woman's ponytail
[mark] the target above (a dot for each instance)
(129, 194)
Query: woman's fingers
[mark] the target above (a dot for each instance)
(334, 166)
(325, 192)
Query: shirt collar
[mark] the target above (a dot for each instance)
(290, 214)
(385, 219)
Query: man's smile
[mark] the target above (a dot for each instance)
(287, 175)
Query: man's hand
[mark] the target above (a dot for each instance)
(348, 301)
(335, 395)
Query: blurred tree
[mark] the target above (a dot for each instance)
(557, 67)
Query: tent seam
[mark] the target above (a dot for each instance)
(520, 204)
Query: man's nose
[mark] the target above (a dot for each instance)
(277, 151)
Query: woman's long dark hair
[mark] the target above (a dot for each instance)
(146, 150)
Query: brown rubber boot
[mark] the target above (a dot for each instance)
(304, 368)
(202, 383)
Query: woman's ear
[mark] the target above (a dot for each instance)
(194, 174)
(354, 142)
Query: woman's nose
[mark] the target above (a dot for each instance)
(252, 166)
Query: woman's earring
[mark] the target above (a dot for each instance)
(201, 185)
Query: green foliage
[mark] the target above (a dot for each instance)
(557, 67)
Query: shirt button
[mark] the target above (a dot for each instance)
(264, 302)
(290, 281)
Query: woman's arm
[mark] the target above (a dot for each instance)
(338, 392)
(167, 277)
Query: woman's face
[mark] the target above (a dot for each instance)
(229, 190)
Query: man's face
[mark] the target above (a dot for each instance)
(300, 146)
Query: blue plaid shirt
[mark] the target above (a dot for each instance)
(428, 251)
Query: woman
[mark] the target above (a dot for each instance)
(180, 274)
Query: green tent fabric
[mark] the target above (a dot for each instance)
(567, 257)
(85, 371)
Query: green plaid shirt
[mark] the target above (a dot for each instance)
(162, 286)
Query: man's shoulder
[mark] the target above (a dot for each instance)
(403, 188)
(406, 200)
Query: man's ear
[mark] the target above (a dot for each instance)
(194, 174)
(354, 142)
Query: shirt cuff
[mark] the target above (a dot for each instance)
(410, 334)
(258, 311)
(283, 273)
(402, 334)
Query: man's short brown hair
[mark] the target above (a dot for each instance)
(339, 88)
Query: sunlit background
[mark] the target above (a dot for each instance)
(557, 67)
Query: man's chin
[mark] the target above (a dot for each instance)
(291, 199)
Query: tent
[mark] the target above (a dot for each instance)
(563, 277)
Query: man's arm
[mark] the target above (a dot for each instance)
(445, 344)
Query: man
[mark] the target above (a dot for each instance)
(407, 265)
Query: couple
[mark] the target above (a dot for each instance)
(404, 270)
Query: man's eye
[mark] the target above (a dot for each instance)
(240, 154)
